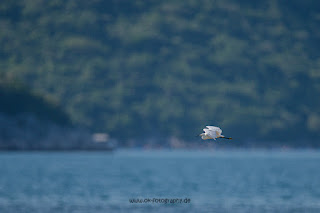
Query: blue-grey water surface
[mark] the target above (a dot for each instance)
(214, 181)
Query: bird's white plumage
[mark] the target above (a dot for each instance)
(212, 132)
(215, 128)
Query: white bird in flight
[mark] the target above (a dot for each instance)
(212, 132)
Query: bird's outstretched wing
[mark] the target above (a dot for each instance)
(215, 129)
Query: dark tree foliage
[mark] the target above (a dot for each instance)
(17, 99)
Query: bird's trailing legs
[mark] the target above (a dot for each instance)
(226, 137)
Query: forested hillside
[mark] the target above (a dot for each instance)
(140, 69)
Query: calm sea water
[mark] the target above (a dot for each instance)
(203, 181)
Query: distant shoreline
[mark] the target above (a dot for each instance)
(56, 150)
(200, 149)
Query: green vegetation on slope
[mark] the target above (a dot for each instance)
(137, 68)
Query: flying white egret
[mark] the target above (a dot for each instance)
(212, 132)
